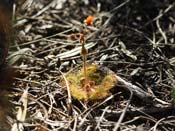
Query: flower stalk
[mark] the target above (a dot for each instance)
(84, 56)
(88, 21)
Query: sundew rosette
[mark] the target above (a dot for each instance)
(99, 82)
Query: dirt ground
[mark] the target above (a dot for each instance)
(133, 38)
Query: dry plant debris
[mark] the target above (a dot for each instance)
(135, 39)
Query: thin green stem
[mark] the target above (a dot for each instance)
(84, 67)
(84, 57)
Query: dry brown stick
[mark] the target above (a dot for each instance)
(69, 99)
(101, 118)
(43, 38)
(124, 112)
(161, 14)
(147, 111)
(161, 31)
(140, 93)
(143, 95)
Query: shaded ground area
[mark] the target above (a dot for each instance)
(135, 39)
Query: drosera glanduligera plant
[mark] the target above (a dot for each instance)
(92, 82)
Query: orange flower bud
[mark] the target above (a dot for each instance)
(89, 20)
